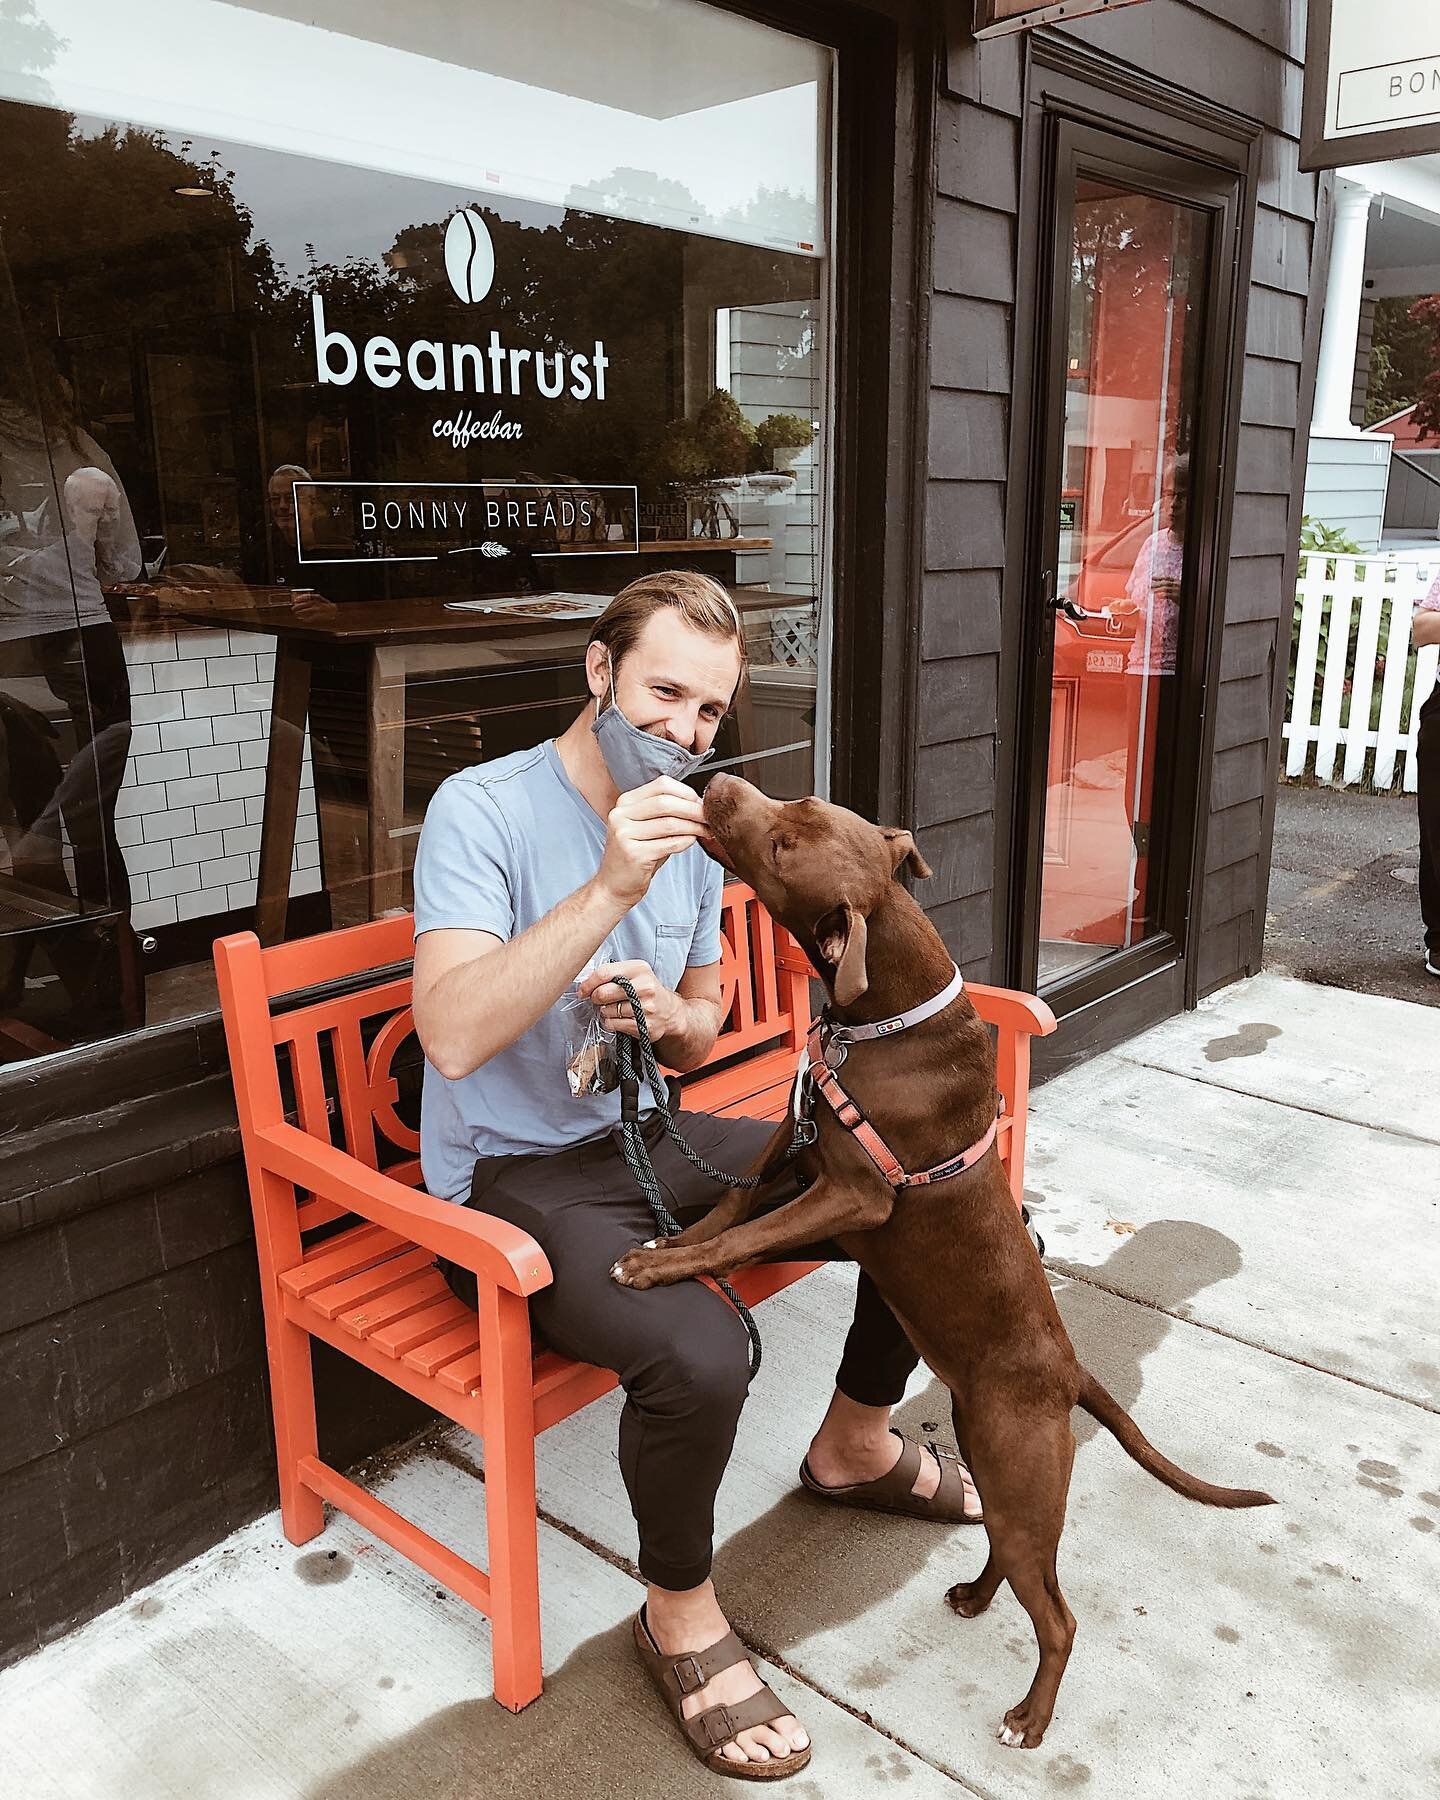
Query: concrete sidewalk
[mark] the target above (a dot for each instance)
(1241, 1209)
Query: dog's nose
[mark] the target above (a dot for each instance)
(714, 794)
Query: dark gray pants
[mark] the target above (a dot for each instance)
(1427, 756)
(681, 1352)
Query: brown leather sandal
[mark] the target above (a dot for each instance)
(892, 1492)
(708, 1732)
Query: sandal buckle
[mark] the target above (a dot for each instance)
(718, 1727)
(689, 1676)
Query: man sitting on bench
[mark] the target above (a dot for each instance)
(575, 862)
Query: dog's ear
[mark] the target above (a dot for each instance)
(902, 850)
(840, 937)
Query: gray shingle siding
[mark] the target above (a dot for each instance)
(963, 774)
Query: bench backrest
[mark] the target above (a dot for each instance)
(330, 1063)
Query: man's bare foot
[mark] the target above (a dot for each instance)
(693, 1621)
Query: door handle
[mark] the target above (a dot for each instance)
(1060, 602)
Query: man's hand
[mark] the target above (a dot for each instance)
(1425, 626)
(664, 1009)
(646, 827)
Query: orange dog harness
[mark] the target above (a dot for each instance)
(826, 1049)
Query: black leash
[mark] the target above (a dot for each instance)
(636, 1060)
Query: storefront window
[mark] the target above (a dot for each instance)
(350, 358)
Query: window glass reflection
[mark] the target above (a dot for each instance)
(1131, 382)
(69, 960)
(315, 469)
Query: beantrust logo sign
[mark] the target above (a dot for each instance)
(469, 255)
(497, 370)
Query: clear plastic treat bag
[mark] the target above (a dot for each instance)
(591, 1066)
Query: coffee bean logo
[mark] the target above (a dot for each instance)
(469, 255)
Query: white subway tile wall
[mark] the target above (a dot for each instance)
(188, 817)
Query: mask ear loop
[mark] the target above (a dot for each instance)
(601, 699)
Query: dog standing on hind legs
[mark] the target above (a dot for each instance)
(937, 1231)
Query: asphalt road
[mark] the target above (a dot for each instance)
(1343, 907)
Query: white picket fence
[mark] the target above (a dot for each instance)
(1352, 627)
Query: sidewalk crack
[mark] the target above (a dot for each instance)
(451, 1453)
(1086, 1276)
(1314, 1112)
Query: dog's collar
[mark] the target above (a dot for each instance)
(916, 1015)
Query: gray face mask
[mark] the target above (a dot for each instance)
(634, 757)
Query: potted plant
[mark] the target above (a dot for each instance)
(703, 457)
(782, 437)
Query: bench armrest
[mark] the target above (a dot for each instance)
(1011, 1010)
(491, 1248)
(792, 959)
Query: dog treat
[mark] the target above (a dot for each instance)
(592, 1070)
(591, 1066)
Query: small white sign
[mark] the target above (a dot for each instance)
(1390, 94)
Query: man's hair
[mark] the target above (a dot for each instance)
(701, 602)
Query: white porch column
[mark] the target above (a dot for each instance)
(1340, 328)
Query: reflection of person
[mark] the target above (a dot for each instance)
(284, 504)
(1425, 629)
(1153, 589)
(32, 466)
(527, 866)
(54, 623)
(281, 506)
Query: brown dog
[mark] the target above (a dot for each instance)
(953, 1260)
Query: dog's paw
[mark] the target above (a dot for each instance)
(966, 1599)
(1018, 1733)
(641, 1268)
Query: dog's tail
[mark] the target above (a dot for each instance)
(1105, 1408)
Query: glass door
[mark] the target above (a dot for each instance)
(1118, 679)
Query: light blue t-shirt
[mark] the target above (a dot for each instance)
(503, 843)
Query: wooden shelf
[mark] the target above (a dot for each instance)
(665, 546)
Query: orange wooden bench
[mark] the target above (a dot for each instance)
(347, 1239)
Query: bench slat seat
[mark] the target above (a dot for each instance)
(362, 1248)
(350, 1293)
(328, 1149)
(368, 1316)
